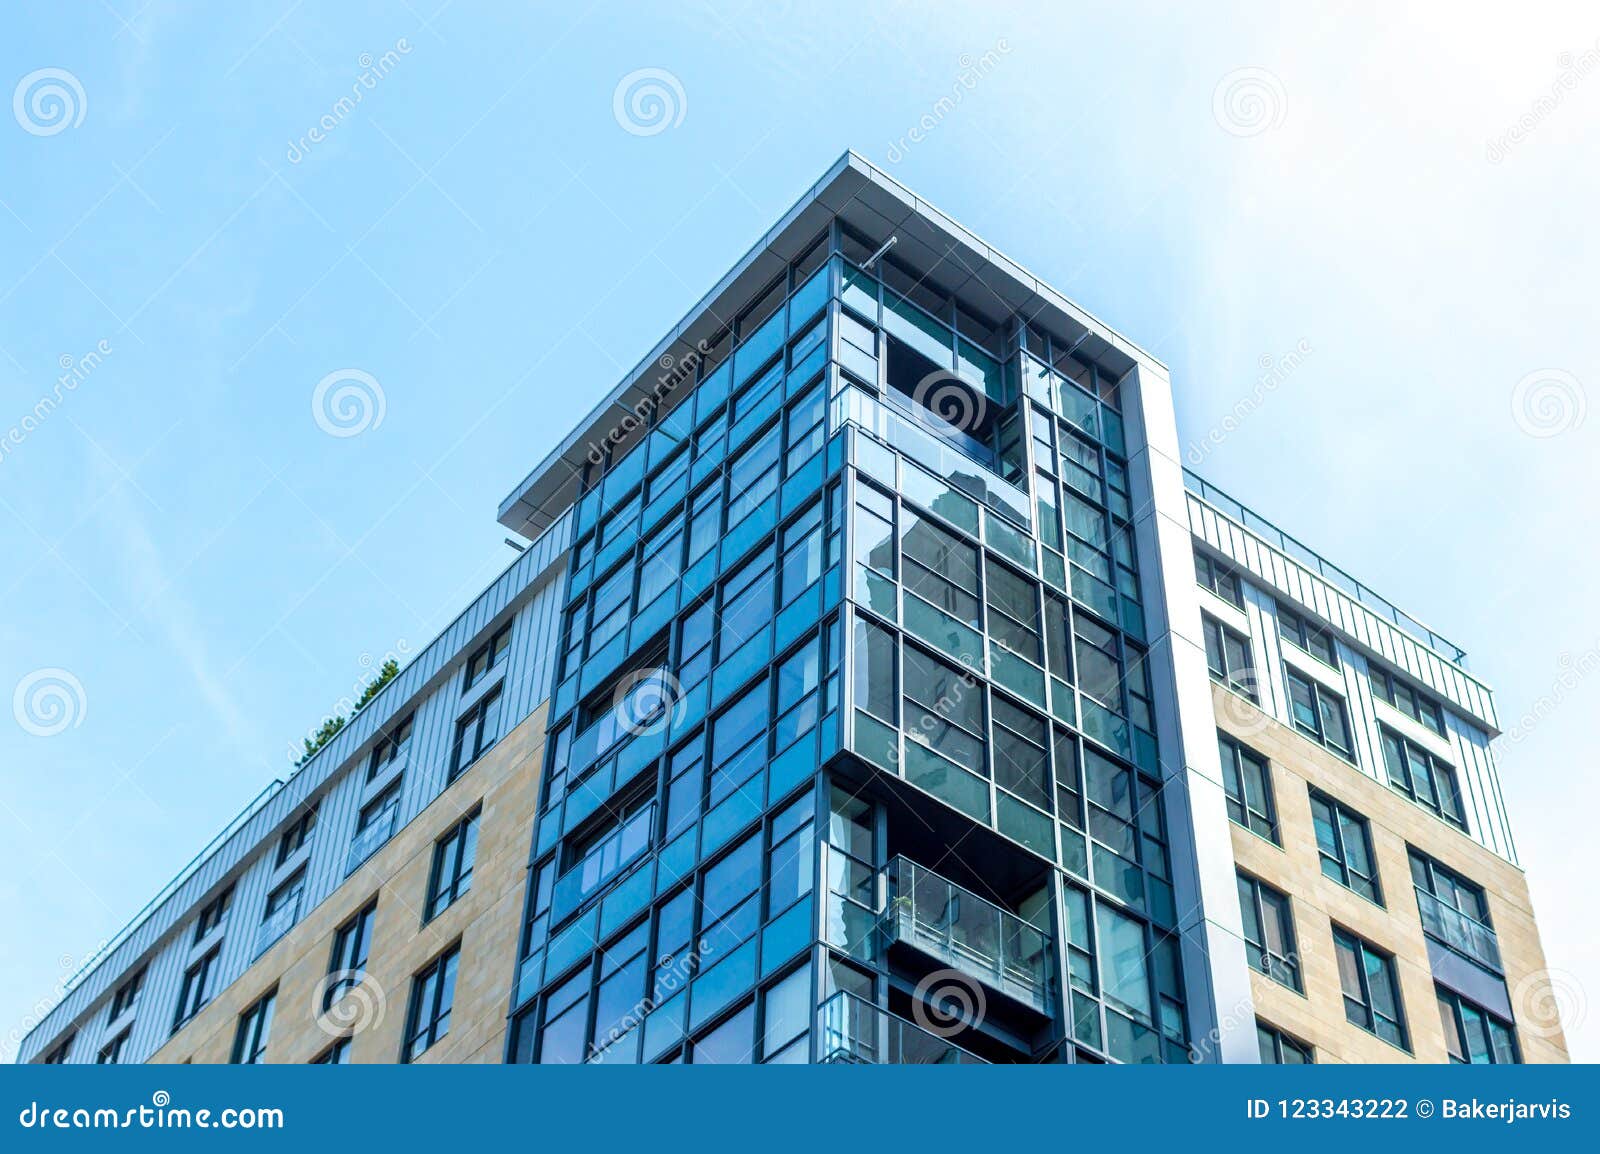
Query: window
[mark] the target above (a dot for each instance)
(212, 913)
(753, 476)
(1319, 713)
(127, 995)
(1099, 666)
(1228, 657)
(487, 656)
(58, 1056)
(199, 983)
(747, 599)
(1247, 781)
(337, 1054)
(1021, 763)
(1344, 842)
(250, 1042)
(283, 907)
(391, 745)
(1472, 1035)
(940, 567)
(476, 733)
(1422, 777)
(1279, 1049)
(1013, 611)
(944, 709)
(1412, 702)
(453, 857)
(1307, 636)
(1371, 992)
(739, 743)
(380, 810)
(349, 962)
(295, 837)
(786, 1018)
(1220, 578)
(433, 993)
(1269, 931)
(608, 614)
(1454, 911)
(111, 1053)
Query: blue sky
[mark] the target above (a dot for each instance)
(1406, 199)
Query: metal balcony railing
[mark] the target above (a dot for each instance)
(367, 841)
(1462, 933)
(968, 933)
(276, 924)
(854, 1030)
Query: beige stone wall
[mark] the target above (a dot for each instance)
(1318, 1016)
(485, 920)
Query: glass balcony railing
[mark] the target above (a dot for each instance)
(1464, 934)
(605, 861)
(968, 933)
(367, 841)
(276, 924)
(854, 1030)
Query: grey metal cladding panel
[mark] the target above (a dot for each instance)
(535, 565)
(1347, 614)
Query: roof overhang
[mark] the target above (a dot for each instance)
(873, 205)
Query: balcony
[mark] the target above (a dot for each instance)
(276, 924)
(1467, 936)
(367, 841)
(963, 931)
(854, 1030)
(605, 861)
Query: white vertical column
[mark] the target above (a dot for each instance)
(1216, 972)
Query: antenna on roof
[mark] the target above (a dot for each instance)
(873, 259)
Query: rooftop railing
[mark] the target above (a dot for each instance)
(854, 1030)
(1276, 537)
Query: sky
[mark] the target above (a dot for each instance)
(270, 355)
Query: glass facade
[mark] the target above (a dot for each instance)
(866, 567)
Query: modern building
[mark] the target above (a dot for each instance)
(877, 687)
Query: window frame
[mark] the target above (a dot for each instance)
(195, 992)
(460, 845)
(1320, 695)
(1363, 953)
(295, 837)
(1438, 770)
(253, 1032)
(435, 984)
(1300, 631)
(352, 948)
(1340, 814)
(1264, 899)
(1210, 573)
(1242, 681)
(1281, 1042)
(476, 723)
(1234, 762)
(489, 654)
